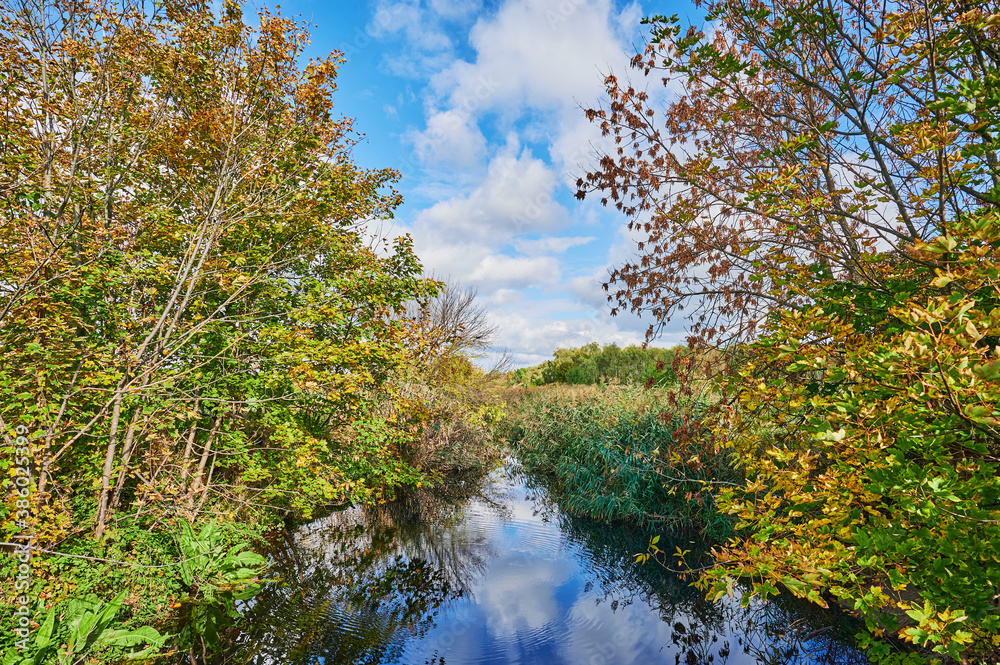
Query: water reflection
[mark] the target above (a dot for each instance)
(495, 573)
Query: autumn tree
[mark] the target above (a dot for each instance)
(448, 324)
(823, 188)
(797, 141)
(452, 407)
(189, 309)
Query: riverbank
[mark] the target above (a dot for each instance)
(165, 581)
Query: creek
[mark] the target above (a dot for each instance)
(495, 573)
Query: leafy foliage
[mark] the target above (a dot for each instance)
(874, 457)
(825, 188)
(83, 628)
(193, 317)
(216, 576)
(452, 411)
(190, 295)
(592, 364)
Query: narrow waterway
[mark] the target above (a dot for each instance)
(497, 574)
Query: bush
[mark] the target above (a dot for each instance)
(592, 364)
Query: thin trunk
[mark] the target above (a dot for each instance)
(190, 445)
(109, 461)
(196, 481)
(127, 448)
(43, 475)
(208, 483)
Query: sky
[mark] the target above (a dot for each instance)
(479, 104)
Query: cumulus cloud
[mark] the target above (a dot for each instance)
(575, 147)
(589, 289)
(423, 44)
(408, 18)
(503, 297)
(551, 245)
(451, 139)
(502, 142)
(541, 53)
(487, 269)
(499, 269)
(543, 59)
(514, 197)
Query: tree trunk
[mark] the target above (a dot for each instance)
(127, 448)
(196, 481)
(109, 460)
(192, 432)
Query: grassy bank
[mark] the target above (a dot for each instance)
(624, 453)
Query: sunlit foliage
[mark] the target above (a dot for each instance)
(190, 310)
(824, 188)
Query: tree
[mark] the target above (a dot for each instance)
(803, 139)
(454, 409)
(450, 323)
(873, 459)
(825, 190)
(186, 291)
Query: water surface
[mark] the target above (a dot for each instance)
(497, 574)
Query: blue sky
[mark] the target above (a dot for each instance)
(479, 104)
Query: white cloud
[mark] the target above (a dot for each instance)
(391, 18)
(485, 268)
(575, 146)
(499, 269)
(589, 289)
(552, 245)
(455, 9)
(629, 18)
(451, 139)
(514, 197)
(539, 53)
(502, 297)
(422, 44)
(495, 208)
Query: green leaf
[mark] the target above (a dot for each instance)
(43, 637)
(130, 638)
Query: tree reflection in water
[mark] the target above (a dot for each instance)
(458, 578)
(782, 631)
(357, 584)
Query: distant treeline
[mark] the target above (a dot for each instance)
(593, 364)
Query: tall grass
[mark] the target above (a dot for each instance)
(624, 453)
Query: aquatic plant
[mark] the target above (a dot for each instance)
(622, 453)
